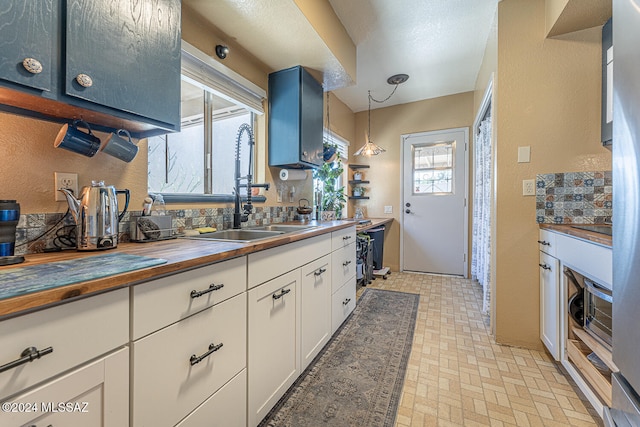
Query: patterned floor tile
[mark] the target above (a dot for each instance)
(459, 376)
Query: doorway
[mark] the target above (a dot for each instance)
(434, 202)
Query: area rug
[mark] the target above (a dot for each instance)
(357, 378)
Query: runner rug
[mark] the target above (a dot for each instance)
(357, 378)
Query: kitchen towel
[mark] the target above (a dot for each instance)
(293, 174)
(33, 278)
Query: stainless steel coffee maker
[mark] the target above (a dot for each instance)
(96, 215)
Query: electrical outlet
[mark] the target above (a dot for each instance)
(65, 180)
(529, 187)
(388, 209)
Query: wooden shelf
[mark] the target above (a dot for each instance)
(359, 197)
(599, 349)
(356, 182)
(352, 166)
(577, 352)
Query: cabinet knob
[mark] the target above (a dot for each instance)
(84, 80)
(545, 266)
(32, 65)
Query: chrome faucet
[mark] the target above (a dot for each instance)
(238, 216)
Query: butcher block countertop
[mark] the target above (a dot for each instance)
(180, 254)
(592, 236)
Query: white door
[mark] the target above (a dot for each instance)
(434, 211)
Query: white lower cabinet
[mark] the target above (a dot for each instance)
(95, 395)
(316, 308)
(273, 342)
(67, 336)
(550, 303)
(343, 283)
(343, 301)
(179, 367)
(226, 408)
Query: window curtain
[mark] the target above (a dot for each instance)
(481, 246)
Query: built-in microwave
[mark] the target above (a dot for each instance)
(598, 305)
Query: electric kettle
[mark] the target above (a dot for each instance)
(96, 215)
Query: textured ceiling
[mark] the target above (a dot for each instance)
(439, 43)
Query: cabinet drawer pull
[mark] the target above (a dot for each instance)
(346, 237)
(347, 301)
(282, 293)
(28, 355)
(319, 271)
(212, 287)
(344, 264)
(84, 80)
(32, 65)
(544, 243)
(212, 349)
(545, 266)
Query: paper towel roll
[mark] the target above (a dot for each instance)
(293, 174)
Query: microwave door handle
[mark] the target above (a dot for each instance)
(595, 290)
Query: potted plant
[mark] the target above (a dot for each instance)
(359, 191)
(333, 197)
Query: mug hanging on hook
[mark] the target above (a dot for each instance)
(73, 139)
(119, 147)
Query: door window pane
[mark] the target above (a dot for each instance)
(433, 168)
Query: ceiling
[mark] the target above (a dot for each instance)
(438, 43)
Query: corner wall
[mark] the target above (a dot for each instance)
(548, 99)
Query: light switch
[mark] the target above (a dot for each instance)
(388, 209)
(524, 154)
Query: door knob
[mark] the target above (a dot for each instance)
(408, 211)
(408, 204)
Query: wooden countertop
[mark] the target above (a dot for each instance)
(592, 236)
(375, 222)
(181, 254)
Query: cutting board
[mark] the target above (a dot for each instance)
(34, 278)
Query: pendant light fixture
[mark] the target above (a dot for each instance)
(370, 148)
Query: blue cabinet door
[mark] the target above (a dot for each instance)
(127, 54)
(26, 32)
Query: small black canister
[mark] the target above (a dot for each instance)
(9, 216)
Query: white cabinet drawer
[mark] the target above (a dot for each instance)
(343, 265)
(77, 332)
(343, 302)
(547, 242)
(265, 265)
(342, 238)
(98, 392)
(166, 385)
(162, 302)
(226, 408)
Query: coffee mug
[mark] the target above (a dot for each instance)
(73, 139)
(123, 149)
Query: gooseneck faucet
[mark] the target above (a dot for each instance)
(238, 216)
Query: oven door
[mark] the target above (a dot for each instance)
(598, 304)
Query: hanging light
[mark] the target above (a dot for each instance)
(370, 148)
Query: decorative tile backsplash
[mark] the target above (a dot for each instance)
(574, 198)
(46, 231)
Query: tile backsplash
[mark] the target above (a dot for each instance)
(47, 231)
(574, 198)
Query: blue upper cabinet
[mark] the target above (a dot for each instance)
(127, 53)
(26, 33)
(113, 63)
(295, 119)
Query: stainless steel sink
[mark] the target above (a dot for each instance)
(238, 235)
(283, 227)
